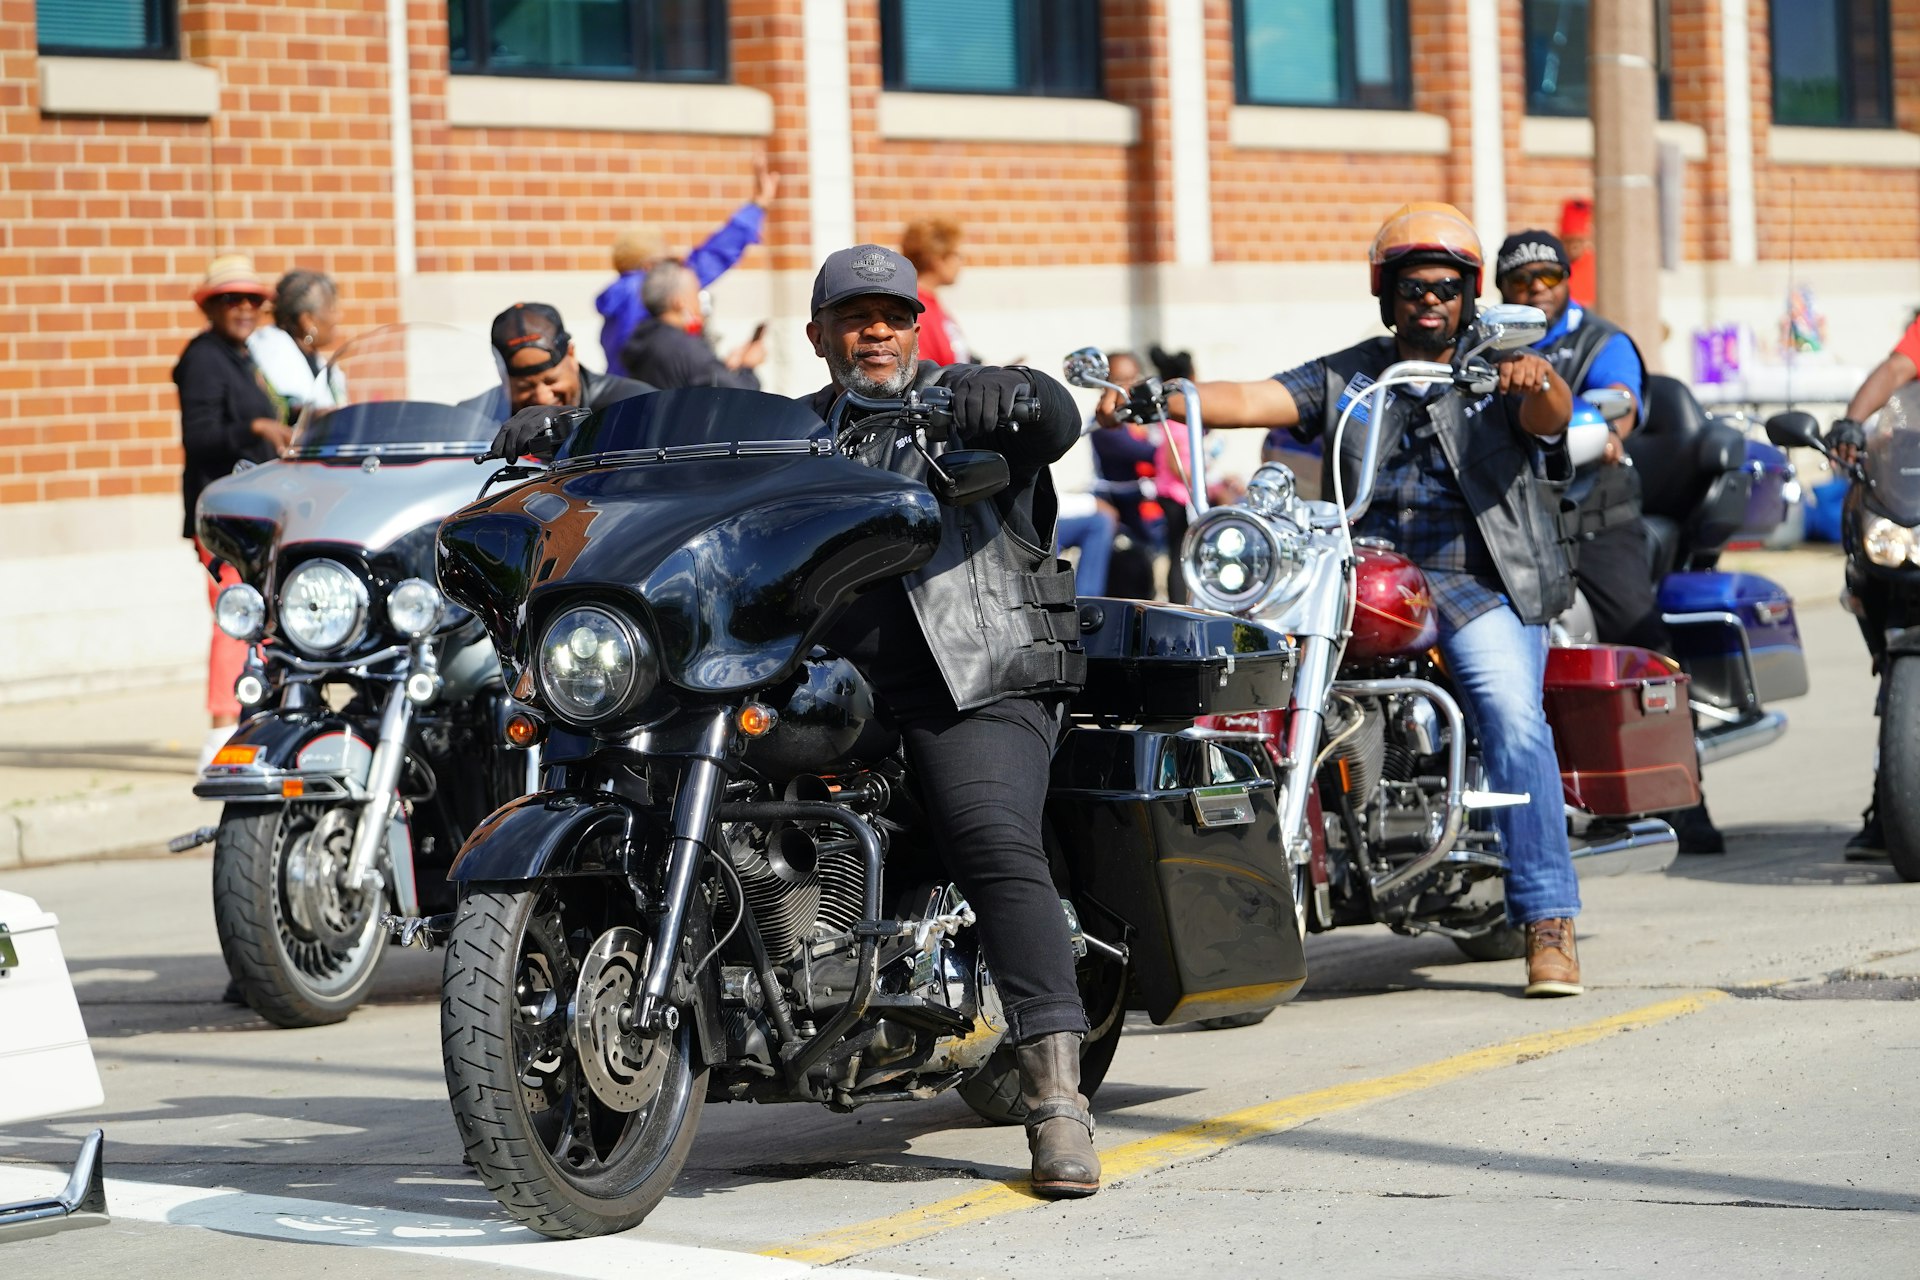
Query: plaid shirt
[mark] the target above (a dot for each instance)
(1417, 503)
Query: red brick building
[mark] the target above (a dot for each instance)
(1204, 172)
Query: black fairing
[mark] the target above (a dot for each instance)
(244, 543)
(737, 556)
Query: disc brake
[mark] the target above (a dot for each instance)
(623, 1067)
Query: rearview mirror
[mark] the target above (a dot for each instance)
(1612, 403)
(1087, 367)
(966, 476)
(1506, 326)
(1795, 429)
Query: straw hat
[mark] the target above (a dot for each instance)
(638, 248)
(231, 273)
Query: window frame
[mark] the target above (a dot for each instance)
(1883, 48)
(163, 19)
(1402, 55)
(1028, 30)
(1662, 65)
(645, 15)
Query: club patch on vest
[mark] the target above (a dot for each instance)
(1355, 394)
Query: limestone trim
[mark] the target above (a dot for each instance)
(523, 102)
(1849, 148)
(982, 117)
(128, 87)
(1571, 137)
(1338, 129)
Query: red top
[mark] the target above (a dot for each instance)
(1909, 344)
(941, 341)
(1581, 283)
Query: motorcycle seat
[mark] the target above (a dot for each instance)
(1665, 449)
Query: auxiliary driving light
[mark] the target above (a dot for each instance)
(423, 687)
(249, 690)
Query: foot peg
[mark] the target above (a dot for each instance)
(425, 932)
(1493, 799)
(193, 839)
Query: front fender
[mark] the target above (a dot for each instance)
(327, 755)
(551, 833)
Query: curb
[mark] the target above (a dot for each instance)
(137, 818)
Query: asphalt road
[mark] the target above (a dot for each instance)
(1729, 1098)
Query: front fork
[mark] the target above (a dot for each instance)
(389, 757)
(693, 811)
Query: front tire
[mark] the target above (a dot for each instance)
(994, 1091)
(302, 952)
(1502, 942)
(1899, 783)
(552, 1152)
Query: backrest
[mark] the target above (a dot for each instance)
(1664, 448)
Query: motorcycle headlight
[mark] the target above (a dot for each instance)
(323, 606)
(1888, 544)
(594, 664)
(241, 613)
(1233, 559)
(413, 607)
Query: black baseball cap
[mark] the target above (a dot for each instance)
(1529, 248)
(862, 270)
(530, 326)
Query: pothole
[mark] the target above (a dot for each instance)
(851, 1171)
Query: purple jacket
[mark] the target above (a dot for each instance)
(620, 301)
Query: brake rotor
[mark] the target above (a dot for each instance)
(624, 1068)
(318, 906)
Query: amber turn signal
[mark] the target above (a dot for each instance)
(235, 755)
(756, 720)
(524, 731)
(292, 788)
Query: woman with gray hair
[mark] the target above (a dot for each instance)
(306, 315)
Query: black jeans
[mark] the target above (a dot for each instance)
(1615, 571)
(983, 782)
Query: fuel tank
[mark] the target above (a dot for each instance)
(1393, 612)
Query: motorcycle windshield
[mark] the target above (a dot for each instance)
(406, 391)
(696, 421)
(1893, 456)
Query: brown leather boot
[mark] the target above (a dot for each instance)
(1553, 966)
(1059, 1126)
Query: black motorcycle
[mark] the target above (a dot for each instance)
(725, 888)
(371, 741)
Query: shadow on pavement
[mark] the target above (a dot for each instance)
(1785, 855)
(115, 757)
(122, 996)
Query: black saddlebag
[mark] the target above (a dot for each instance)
(1163, 664)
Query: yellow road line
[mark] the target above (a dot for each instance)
(1205, 1137)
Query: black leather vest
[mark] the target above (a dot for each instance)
(1600, 496)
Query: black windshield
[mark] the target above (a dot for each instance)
(1893, 456)
(400, 427)
(695, 416)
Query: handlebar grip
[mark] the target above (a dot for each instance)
(1026, 409)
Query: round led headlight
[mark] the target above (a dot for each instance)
(241, 613)
(414, 607)
(1234, 559)
(1886, 543)
(594, 664)
(323, 606)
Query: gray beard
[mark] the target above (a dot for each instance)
(849, 378)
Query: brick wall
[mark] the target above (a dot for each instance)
(106, 224)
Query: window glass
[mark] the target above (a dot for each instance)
(106, 26)
(644, 39)
(1322, 53)
(1830, 62)
(1556, 46)
(949, 46)
(560, 35)
(1042, 47)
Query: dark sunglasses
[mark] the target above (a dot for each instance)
(1545, 277)
(235, 299)
(1415, 290)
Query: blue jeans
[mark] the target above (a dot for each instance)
(1094, 536)
(1498, 663)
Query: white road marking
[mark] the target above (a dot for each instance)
(497, 1243)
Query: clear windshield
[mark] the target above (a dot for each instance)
(698, 419)
(407, 390)
(1893, 456)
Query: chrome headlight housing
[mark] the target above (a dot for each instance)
(323, 606)
(1888, 543)
(1271, 492)
(594, 664)
(241, 613)
(414, 607)
(1234, 559)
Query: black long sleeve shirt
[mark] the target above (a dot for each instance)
(221, 393)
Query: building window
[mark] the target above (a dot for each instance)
(1043, 48)
(106, 28)
(1322, 53)
(610, 39)
(1556, 37)
(1830, 63)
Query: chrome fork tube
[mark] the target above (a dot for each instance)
(383, 780)
(1311, 682)
(693, 810)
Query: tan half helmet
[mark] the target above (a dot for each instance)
(1425, 233)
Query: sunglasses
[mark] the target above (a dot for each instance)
(1415, 290)
(235, 299)
(1544, 277)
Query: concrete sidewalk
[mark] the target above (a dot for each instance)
(84, 778)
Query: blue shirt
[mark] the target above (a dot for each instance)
(620, 301)
(1616, 364)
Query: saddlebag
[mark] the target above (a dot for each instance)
(1171, 847)
(1623, 730)
(1737, 636)
(1162, 664)
(46, 1064)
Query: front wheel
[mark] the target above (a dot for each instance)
(301, 946)
(994, 1091)
(1899, 785)
(577, 1124)
(1502, 942)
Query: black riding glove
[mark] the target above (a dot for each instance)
(1846, 433)
(536, 429)
(983, 399)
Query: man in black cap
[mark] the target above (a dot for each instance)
(542, 370)
(1612, 554)
(971, 659)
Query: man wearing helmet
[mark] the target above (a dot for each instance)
(1456, 490)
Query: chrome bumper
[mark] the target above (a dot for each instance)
(82, 1204)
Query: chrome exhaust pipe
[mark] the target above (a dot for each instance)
(1725, 741)
(1646, 844)
(82, 1204)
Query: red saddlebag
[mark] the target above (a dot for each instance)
(1623, 730)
